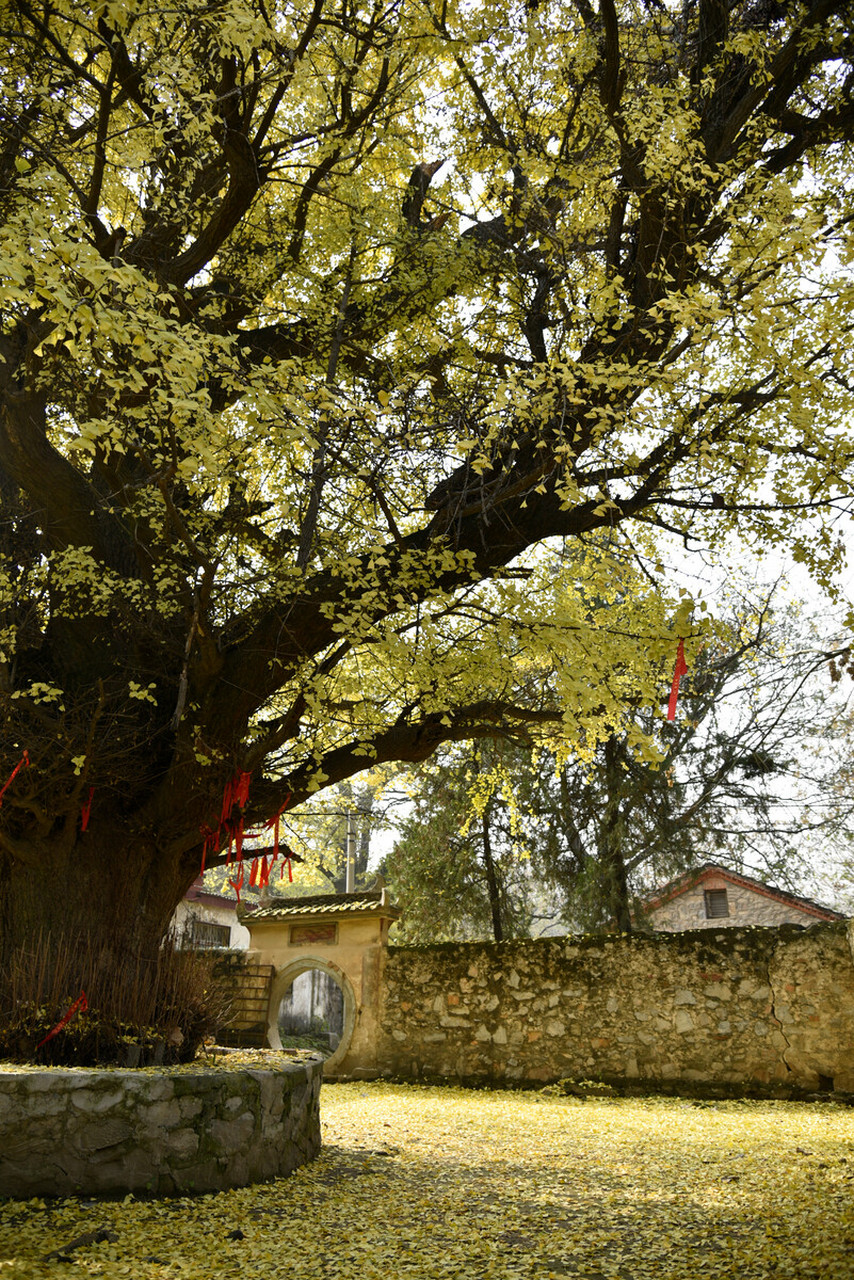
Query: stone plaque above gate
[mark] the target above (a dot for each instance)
(302, 934)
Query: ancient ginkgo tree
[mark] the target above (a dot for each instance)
(331, 333)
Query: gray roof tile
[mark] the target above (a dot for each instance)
(323, 903)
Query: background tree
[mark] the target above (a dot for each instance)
(352, 811)
(285, 415)
(456, 868)
(745, 779)
(755, 772)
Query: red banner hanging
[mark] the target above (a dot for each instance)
(80, 1004)
(227, 803)
(273, 825)
(235, 793)
(240, 788)
(678, 672)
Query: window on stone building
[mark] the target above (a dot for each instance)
(716, 904)
(203, 933)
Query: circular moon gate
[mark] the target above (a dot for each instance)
(282, 983)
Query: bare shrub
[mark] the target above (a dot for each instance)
(137, 1011)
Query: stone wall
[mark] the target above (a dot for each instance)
(739, 1007)
(66, 1132)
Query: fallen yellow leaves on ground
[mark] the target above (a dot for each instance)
(435, 1183)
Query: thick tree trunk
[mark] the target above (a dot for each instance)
(616, 886)
(493, 887)
(615, 882)
(84, 978)
(110, 884)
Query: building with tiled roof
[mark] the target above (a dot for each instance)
(205, 919)
(711, 896)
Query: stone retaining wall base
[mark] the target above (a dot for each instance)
(94, 1132)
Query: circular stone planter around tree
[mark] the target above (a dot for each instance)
(170, 1131)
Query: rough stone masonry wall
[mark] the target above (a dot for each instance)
(737, 1007)
(68, 1132)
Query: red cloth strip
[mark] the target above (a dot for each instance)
(273, 825)
(79, 1005)
(209, 837)
(235, 792)
(86, 809)
(237, 884)
(678, 672)
(253, 874)
(264, 878)
(227, 803)
(23, 763)
(240, 787)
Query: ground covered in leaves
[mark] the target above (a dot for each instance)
(431, 1183)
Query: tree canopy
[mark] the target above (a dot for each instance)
(348, 353)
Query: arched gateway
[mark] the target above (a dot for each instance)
(343, 935)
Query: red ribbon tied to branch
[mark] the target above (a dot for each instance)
(235, 792)
(240, 788)
(209, 846)
(273, 825)
(237, 883)
(23, 763)
(80, 1004)
(678, 672)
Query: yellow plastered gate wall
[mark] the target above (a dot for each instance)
(344, 935)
